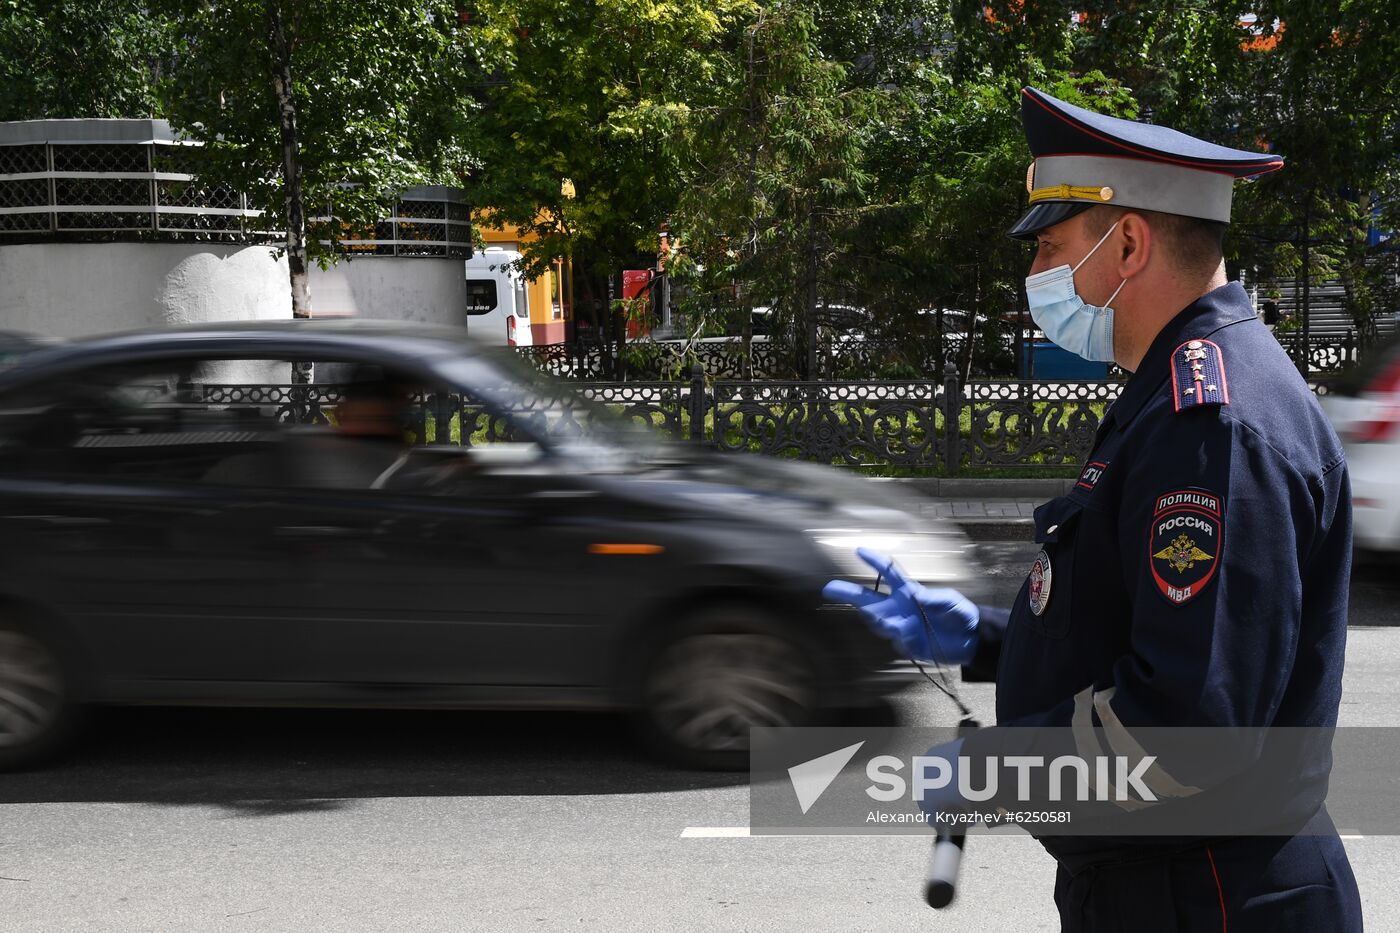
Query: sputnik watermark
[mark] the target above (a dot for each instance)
(888, 784)
(1083, 780)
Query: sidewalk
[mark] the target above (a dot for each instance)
(986, 509)
(987, 519)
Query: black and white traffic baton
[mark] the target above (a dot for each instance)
(941, 885)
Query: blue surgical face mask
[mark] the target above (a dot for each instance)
(1068, 321)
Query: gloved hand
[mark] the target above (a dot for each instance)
(950, 637)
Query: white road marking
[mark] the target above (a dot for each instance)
(737, 832)
(743, 832)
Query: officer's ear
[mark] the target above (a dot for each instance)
(1136, 244)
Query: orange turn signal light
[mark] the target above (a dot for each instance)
(625, 549)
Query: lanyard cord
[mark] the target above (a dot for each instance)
(944, 682)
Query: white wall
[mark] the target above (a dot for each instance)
(78, 289)
(433, 291)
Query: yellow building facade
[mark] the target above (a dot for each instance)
(551, 296)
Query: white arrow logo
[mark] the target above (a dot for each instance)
(811, 778)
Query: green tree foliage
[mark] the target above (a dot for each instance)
(592, 93)
(322, 108)
(776, 176)
(1324, 96)
(81, 58)
(805, 153)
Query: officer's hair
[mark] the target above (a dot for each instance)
(1196, 245)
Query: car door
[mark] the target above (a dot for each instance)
(486, 584)
(104, 519)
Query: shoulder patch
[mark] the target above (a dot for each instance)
(1198, 375)
(1185, 543)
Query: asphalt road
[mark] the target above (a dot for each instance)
(271, 820)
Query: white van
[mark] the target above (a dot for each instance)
(498, 303)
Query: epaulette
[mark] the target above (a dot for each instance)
(1198, 375)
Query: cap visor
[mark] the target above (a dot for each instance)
(1045, 215)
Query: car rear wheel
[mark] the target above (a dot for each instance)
(36, 708)
(714, 677)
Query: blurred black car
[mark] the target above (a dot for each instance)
(16, 344)
(183, 524)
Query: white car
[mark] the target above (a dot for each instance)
(1365, 411)
(498, 299)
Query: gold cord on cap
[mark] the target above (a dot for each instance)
(1099, 195)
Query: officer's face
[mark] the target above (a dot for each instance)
(1069, 241)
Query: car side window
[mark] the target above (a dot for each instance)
(151, 422)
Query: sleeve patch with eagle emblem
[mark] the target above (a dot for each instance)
(1185, 543)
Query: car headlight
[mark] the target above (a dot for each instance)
(932, 559)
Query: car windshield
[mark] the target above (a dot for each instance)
(547, 410)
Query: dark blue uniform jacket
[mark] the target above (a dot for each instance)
(1197, 573)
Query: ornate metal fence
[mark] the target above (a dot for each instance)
(724, 358)
(1042, 424)
(855, 359)
(850, 423)
(1325, 354)
(946, 426)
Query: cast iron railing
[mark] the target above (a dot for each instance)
(870, 426)
(842, 360)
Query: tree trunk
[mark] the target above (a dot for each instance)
(745, 296)
(1306, 364)
(972, 322)
(811, 302)
(295, 212)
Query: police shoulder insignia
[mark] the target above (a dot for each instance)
(1185, 543)
(1198, 375)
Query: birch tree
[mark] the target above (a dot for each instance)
(318, 107)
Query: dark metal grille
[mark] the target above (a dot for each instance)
(384, 230)
(103, 220)
(424, 210)
(101, 158)
(215, 223)
(103, 191)
(148, 208)
(20, 160)
(408, 233)
(196, 194)
(22, 222)
(27, 192)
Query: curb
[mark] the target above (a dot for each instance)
(971, 489)
(996, 529)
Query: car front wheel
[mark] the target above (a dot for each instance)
(715, 676)
(36, 710)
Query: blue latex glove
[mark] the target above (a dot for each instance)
(900, 614)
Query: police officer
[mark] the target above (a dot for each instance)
(1196, 575)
